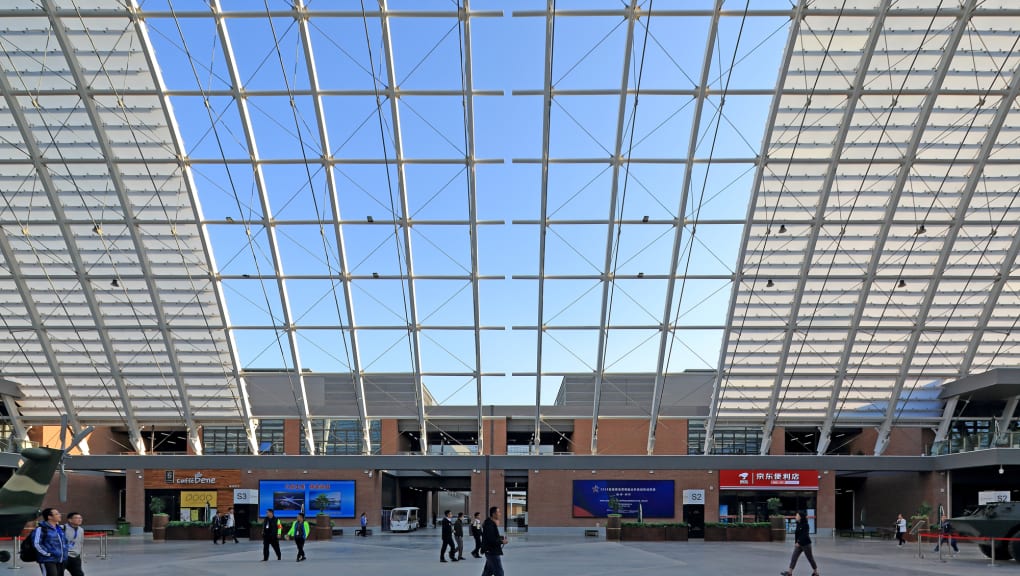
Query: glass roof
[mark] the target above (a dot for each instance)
(814, 198)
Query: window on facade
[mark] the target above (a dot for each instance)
(728, 439)
(343, 436)
(7, 443)
(234, 440)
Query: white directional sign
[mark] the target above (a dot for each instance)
(991, 496)
(694, 496)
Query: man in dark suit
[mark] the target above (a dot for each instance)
(492, 544)
(448, 539)
(270, 535)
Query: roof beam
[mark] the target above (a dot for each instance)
(357, 372)
(738, 271)
(608, 281)
(823, 201)
(665, 327)
(543, 225)
(241, 100)
(947, 419)
(890, 210)
(469, 161)
(966, 195)
(243, 400)
(1002, 423)
(413, 330)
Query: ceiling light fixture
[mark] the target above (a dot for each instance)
(644, 219)
(1001, 471)
(902, 284)
(115, 283)
(375, 274)
(370, 219)
(770, 283)
(782, 228)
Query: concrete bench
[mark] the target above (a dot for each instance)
(591, 532)
(367, 532)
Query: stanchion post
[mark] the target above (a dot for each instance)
(14, 554)
(991, 544)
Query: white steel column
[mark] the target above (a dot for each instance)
(666, 330)
(469, 161)
(203, 232)
(1002, 423)
(341, 246)
(267, 212)
(947, 420)
(738, 271)
(853, 98)
(948, 53)
(413, 329)
(966, 195)
(608, 279)
(543, 225)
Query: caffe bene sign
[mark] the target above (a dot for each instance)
(185, 479)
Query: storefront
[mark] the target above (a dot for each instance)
(744, 495)
(190, 495)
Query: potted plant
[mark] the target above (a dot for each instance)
(776, 519)
(159, 518)
(923, 511)
(613, 519)
(322, 530)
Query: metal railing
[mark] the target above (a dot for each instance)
(972, 442)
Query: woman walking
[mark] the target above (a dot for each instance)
(802, 545)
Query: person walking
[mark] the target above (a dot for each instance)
(802, 545)
(448, 539)
(271, 535)
(458, 536)
(216, 523)
(364, 525)
(50, 544)
(946, 534)
(476, 532)
(229, 530)
(299, 532)
(75, 536)
(901, 529)
(492, 544)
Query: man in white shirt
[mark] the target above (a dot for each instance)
(75, 535)
(229, 531)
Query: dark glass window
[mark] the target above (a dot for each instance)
(343, 437)
(233, 440)
(728, 439)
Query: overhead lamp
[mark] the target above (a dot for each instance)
(645, 219)
(97, 229)
(115, 283)
(782, 228)
(229, 219)
(640, 274)
(921, 229)
(902, 284)
(770, 284)
(375, 274)
(1001, 471)
(370, 219)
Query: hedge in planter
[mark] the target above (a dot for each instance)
(183, 530)
(737, 532)
(653, 531)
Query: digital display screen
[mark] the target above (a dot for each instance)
(288, 497)
(654, 498)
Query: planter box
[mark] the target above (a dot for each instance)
(778, 528)
(676, 533)
(715, 534)
(612, 533)
(748, 534)
(643, 533)
(188, 533)
(255, 532)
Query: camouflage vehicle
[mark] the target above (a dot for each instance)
(998, 520)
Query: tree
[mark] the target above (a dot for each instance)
(157, 505)
(614, 504)
(322, 503)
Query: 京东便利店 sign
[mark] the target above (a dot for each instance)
(768, 480)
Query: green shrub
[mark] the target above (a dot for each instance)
(187, 524)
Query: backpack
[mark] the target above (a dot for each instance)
(28, 552)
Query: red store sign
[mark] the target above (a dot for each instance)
(768, 480)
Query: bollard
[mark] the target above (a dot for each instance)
(14, 554)
(991, 544)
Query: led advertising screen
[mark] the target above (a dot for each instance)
(288, 497)
(654, 497)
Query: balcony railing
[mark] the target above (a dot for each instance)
(972, 442)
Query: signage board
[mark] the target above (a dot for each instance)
(993, 496)
(768, 479)
(246, 496)
(194, 499)
(694, 497)
(288, 497)
(655, 498)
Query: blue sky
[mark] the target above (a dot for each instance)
(508, 56)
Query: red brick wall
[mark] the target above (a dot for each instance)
(671, 437)
(497, 493)
(494, 431)
(885, 496)
(825, 507)
(550, 493)
(94, 496)
(902, 442)
(778, 447)
(390, 437)
(293, 437)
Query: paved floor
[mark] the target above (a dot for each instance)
(531, 555)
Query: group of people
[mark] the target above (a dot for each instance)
(488, 541)
(59, 547)
(945, 534)
(223, 527)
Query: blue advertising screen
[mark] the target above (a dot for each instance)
(655, 498)
(288, 497)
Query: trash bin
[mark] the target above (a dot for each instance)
(123, 528)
